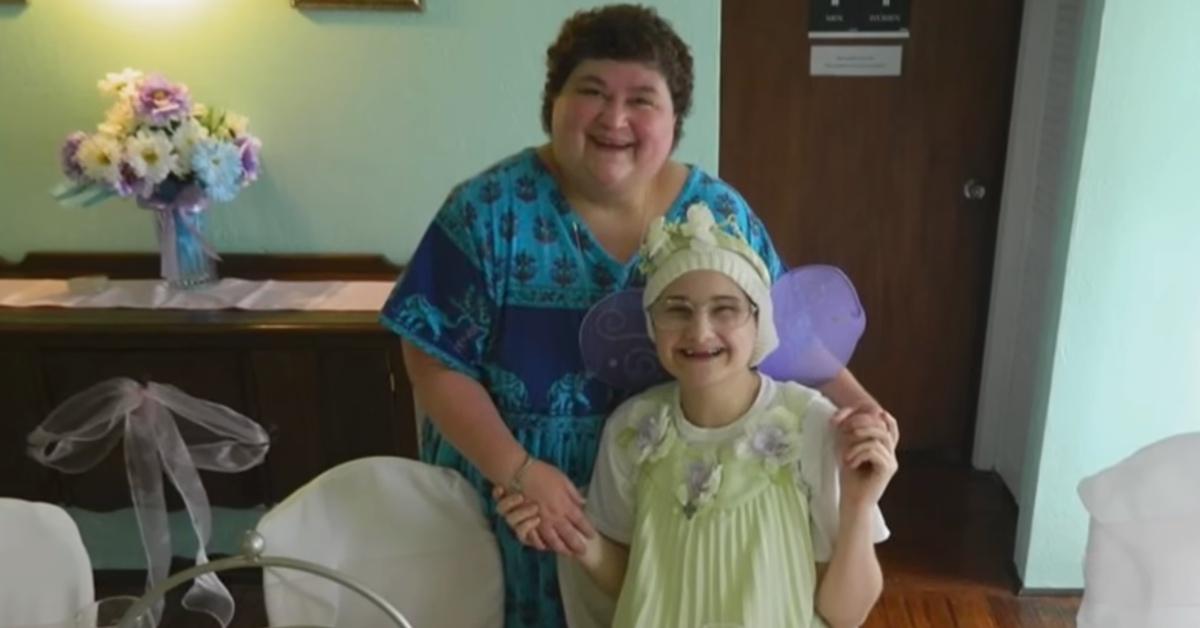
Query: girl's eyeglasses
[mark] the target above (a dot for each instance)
(722, 313)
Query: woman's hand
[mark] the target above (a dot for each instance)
(562, 527)
(866, 450)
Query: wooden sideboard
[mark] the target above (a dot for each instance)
(327, 386)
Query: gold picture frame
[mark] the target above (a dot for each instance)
(391, 5)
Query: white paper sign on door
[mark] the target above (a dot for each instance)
(855, 61)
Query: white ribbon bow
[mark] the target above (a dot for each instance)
(82, 431)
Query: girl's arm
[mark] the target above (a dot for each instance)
(853, 578)
(602, 558)
(605, 561)
(866, 457)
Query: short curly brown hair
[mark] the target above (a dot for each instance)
(620, 32)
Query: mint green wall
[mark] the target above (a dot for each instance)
(1126, 362)
(367, 118)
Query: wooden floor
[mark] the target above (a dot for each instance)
(948, 563)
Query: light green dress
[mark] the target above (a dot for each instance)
(725, 525)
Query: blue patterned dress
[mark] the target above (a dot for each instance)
(497, 290)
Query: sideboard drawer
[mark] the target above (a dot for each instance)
(327, 387)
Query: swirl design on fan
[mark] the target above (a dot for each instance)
(615, 345)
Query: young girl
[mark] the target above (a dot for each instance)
(725, 497)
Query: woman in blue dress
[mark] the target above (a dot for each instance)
(490, 305)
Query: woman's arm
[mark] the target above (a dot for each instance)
(845, 391)
(464, 412)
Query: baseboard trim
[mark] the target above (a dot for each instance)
(1035, 592)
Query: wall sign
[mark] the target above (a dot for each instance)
(836, 19)
(855, 61)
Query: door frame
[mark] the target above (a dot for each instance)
(1031, 237)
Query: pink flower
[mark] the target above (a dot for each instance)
(159, 101)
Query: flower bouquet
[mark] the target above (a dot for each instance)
(172, 156)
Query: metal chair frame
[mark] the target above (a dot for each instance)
(251, 557)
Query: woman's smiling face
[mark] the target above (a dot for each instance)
(613, 124)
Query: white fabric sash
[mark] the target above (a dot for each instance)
(84, 429)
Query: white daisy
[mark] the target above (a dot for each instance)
(185, 139)
(123, 83)
(151, 156)
(656, 238)
(100, 158)
(699, 226)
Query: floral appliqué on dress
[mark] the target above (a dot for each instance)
(651, 435)
(771, 438)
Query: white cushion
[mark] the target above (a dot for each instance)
(45, 573)
(412, 532)
(1142, 566)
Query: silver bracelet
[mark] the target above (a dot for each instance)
(517, 483)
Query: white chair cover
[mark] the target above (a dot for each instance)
(45, 573)
(1142, 566)
(412, 532)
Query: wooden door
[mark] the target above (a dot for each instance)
(869, 174)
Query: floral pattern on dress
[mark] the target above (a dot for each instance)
(701, 481)
(651, 435)
(771, 439)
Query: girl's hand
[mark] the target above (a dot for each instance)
(563, 526)
(866, 450)
(521, 516)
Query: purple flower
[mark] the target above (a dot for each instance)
(130, 184)
(701, 481)
(697, 476)
(652, 436)
(68, 156)
(774, 439)
(159, 101)
(770, 441)
(250, 148)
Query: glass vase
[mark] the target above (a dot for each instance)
(186, 260)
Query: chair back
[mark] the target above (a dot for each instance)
(1142, 563)
(412, 532)
(45, 572)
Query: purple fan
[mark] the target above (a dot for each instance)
(615, 345)
(819, 319)
(817, 315)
